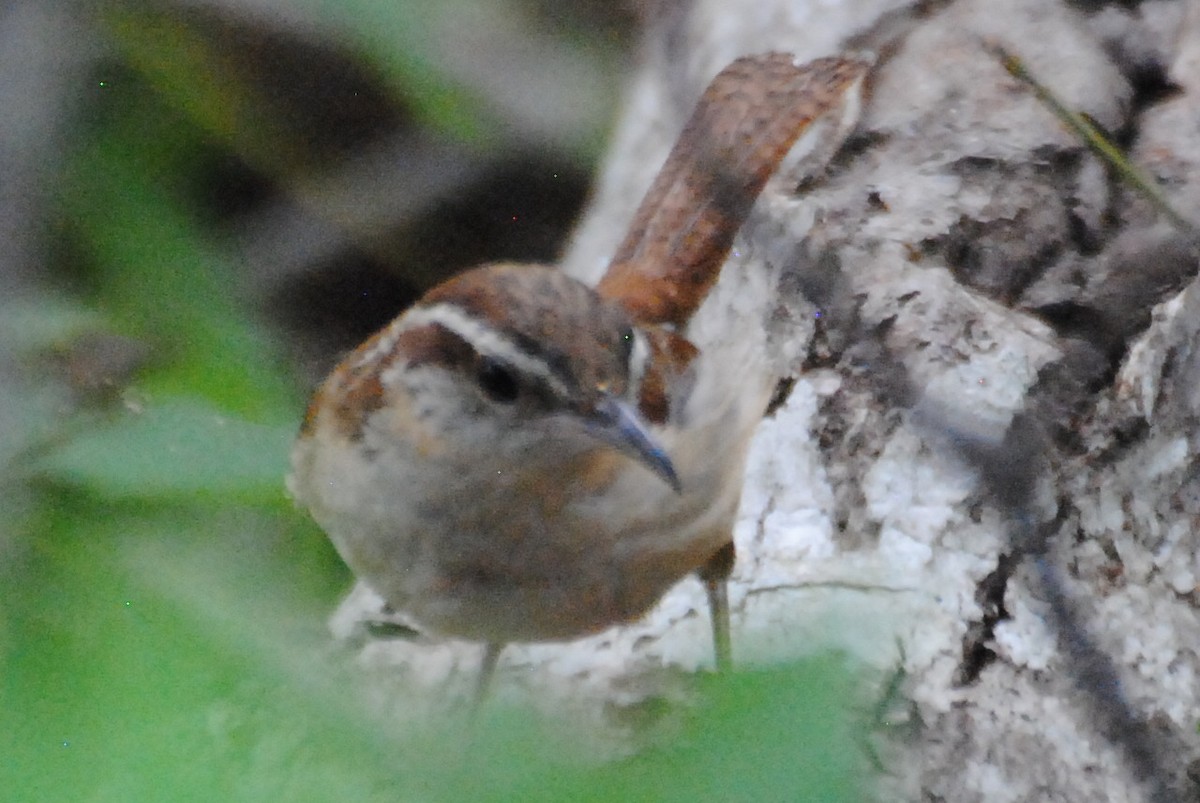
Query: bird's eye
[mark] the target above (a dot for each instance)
(497, 381)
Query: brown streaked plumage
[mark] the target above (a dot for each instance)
(666, 374)
(544, 316)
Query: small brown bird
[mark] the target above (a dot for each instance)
(521, 457)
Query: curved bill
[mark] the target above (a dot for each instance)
(614, 422)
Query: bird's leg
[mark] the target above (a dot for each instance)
(715, 574)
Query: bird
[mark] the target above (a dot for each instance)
(522, 457)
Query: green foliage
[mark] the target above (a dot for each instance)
(174, 449)
(783, 734)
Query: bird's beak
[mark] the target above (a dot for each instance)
(614, 422)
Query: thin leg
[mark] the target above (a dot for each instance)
(491, 656)
(715, 575)
(718, 611)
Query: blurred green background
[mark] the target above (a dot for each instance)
(204, 203)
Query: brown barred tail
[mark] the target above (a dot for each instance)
(745, 123)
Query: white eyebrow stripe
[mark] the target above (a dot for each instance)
(385, 342)
(483, 338)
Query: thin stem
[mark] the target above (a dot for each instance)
(1091, 136)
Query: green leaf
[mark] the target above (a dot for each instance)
(786, 733)
(180, 447)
